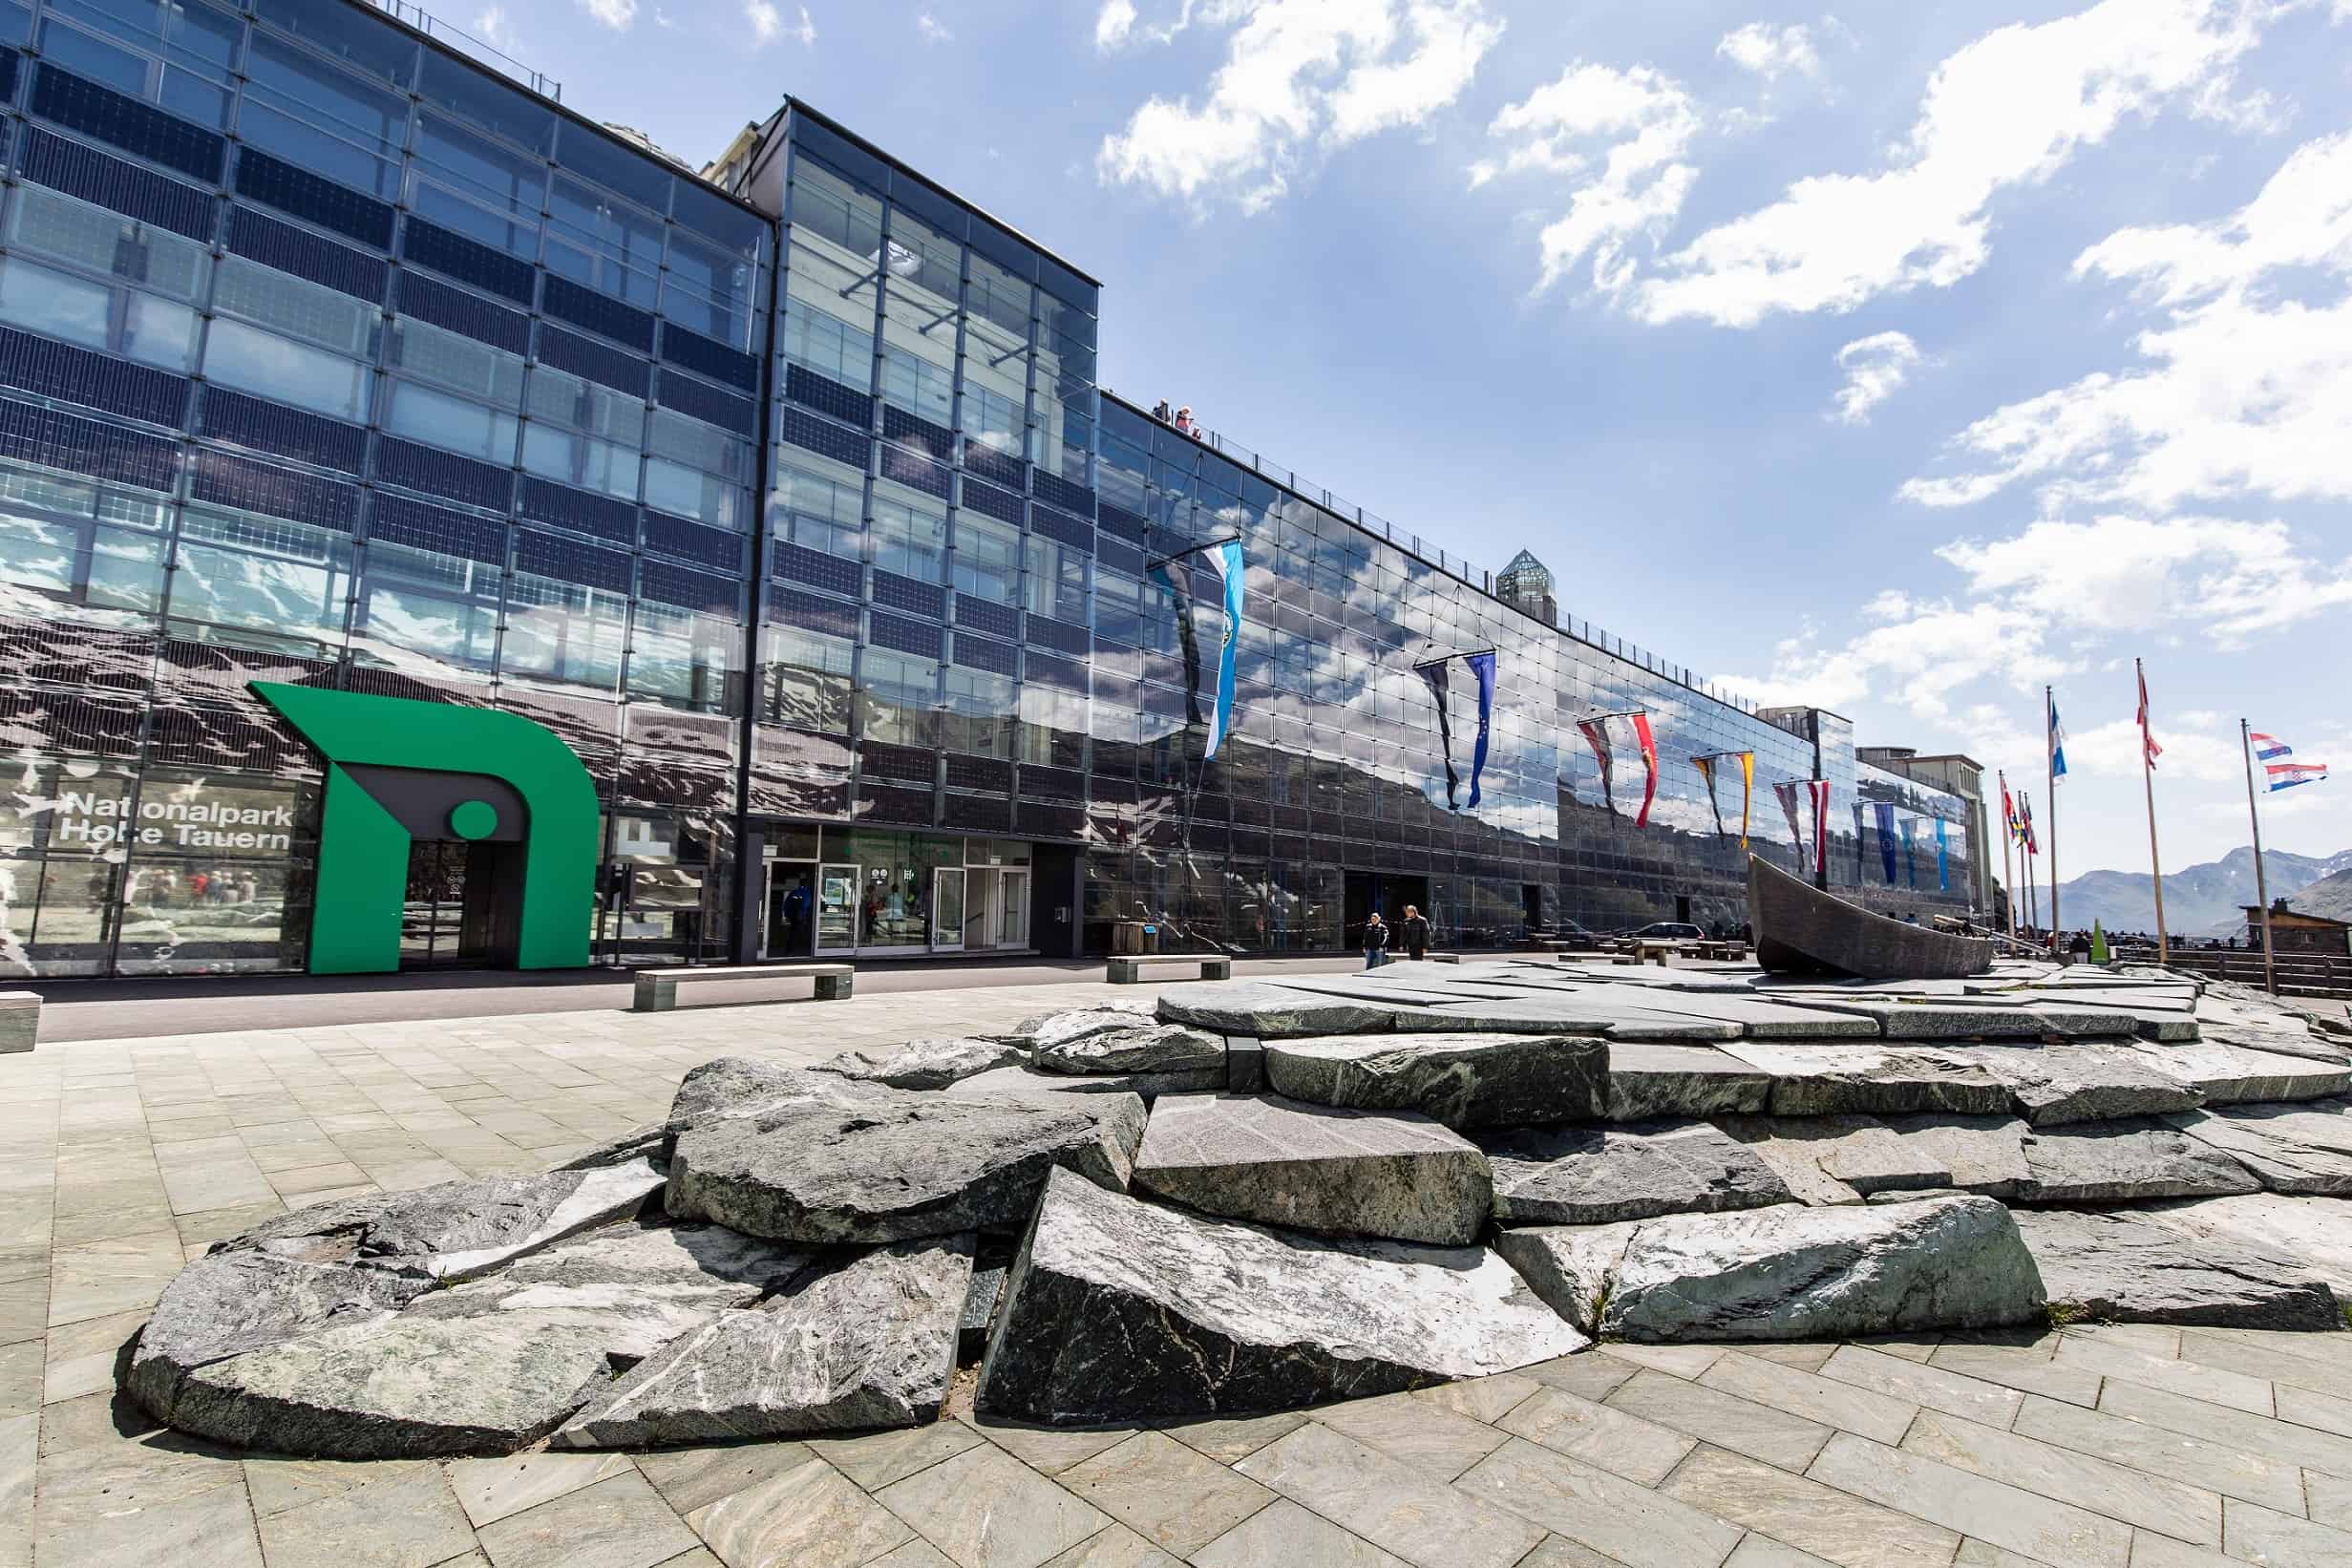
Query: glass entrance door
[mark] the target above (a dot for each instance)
(982, 887)
(445, 918)
(947, 909)
(1012, 910)
(837, 909)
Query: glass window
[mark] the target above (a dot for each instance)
(992, 418)
(828, 205)
(444, 607)
(459, 362)
(996, 295)
(425, 414)
(568, 399)
(604, 161)
(241, 569)
(619, 248)
(493, 174)
(978, 712)
(514, 236)
(899, 698)
(56, 226)
(579, 460)
(819, 513)
(695, 470)
(465, 91)
(323, 118)
(919, 385)
(286, 303)
(832, 348)
(685, 658)
(909, 537)
(987, 558)
(561, 631)
(1056, 578)
(269, 366)
(97, 315)
(179, 57)
(690, 493)
(352, 37)
(808, 679)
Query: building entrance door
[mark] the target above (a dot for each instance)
(947, 909)
(837, 909)
(1012, 910)
(463, 905)
(792, 908)
(984, 891)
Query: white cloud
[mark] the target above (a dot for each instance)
(931, 29)
(2009, 109)
(498, 29)
(1639, 123)
(2197, 745)
(616, 14)
(1114, 24)
(806, 31)
(766, 23)
(1299, 76)
(1771, 52)
(2243, 390)
(1875, 367)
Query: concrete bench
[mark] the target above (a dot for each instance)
(1430, 958)
(1129, 970)
(20, 1019)
(657, 989)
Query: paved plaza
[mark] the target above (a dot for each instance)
(2138, 1446)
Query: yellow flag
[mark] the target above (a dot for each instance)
(1748, 786)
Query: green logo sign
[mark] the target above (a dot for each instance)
(399, 771)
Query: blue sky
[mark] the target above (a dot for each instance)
(1898, 360)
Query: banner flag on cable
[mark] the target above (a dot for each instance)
(2058, 747)
(1707, 776)
(1434, 673)
(1885, 814)
(1165, 571)
(1224, 559)
(1748, 790)
(2283, 775)
(1911, 862)
(1943, 864)
(1597, 736)
(1820, 791)
(1649, 762)
(1482, 669)
(1789, 791)
(1858, 836)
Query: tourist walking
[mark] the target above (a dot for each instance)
(1414, 928)
(1375, 941)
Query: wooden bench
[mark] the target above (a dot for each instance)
(1128, 971)
(20, 1019)
(657, 989)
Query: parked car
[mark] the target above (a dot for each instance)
(1669, 931)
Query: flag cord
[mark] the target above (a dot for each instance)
(2261, 890)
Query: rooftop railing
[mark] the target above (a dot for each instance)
(1456, 567)
(466, 43)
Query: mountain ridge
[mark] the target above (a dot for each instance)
(2199, 900)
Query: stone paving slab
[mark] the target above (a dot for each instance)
(2116, 1440)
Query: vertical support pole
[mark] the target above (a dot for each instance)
(2262, 889)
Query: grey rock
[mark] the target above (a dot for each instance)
(2081, 1080)
(750, 1086)
(1155, 1047)
(1791, 1146)
(1473, 1080)
(403, 1388)
(871, 1343)
(923, 1064)
(2132, 1267)
(1905, 1018)
(1823, 1273)
(980, 1304)
(1119, 1310)
(648, 1142)
(1064, 1025)
(2122, 1162)
(1592, 1176)
(1028, 1082)
(899, 1166)
(1316, 1168)
(1649, 1079)
(2232, 1074)
(458, 1229)
(1268, 1011)
(632, 1287)
(1569, 1266)
(1984, 1154)
(1830, 1078)
(1245, 1064)
(225, 1304)
(2316, 1232)
(2302, 1148)
(1590, 1012)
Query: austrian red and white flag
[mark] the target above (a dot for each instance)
(2148, 742)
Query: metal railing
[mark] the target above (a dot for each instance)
(466, 43)
(1456, 567)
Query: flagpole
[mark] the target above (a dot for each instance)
(2147, 778)
(2009, 888)
(2050, 736)
(2261, 891)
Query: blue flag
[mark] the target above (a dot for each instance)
(1911, 863)
(1885, 814)
(1434, 673)
(1943, 864)
(1225, 559)
(2057, 744)
(1482, 667)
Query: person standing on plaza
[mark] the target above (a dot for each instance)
(1414, 929)
(1375, 941)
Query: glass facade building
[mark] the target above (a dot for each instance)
(784, 495)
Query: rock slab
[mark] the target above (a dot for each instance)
(1121, 1310)
(1153, 1048)
(2291, 1148)
(923, 1063)
(1593, 1175)
(869, 1345)
(1323, 1169)
(2124, 1162)
(898, 1166)
(2129, 1266)
(229, 1303)
(1465, 1081)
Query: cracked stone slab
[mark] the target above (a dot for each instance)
(1862, 1154)
(1585, 1014)
(2122, 1162)
(2304, 1148)
(1465, 1081)
(2081, 1080)
(1150, 1049)
(728, 1087)
(1650, 1079)
(899, 1166)
(1761, 1018)
(1592, 1176)
(1268, 1011)
(1792, 1156)
(1322, 1169)
(1121, 1310)
(1828, 1078)
(2314, 1231)
(2233, 1075)
(1569, 1266)
(1065, 1024)
(1976, 1018)
(1031, 1083)
(2128, 1266)
(923, 1063)
(869, 1345)
(1986, 1155)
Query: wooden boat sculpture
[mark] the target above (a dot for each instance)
(1799, 929)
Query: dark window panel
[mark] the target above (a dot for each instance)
(708, 404)
(986, 653)
(396, 519)
(276, 492)
(902, 764)
(976, 813)
(438, 473)
(290, 249)
(794, 608)
(1118, 555)
(99, 381)
(1036, 820)
(981, 615)
(669, 584)
(817, 570)
(570, 560)
(461, 312)
(907, 468)
(1059, 636)
(58, 439)
(904, 593)
(826, 438)
(308, 197)
(884, 803)
(134, 192)
(891, 631)
(598, 362)
(911, 430)
(994, 464)
(1055, 491)
(429, 244)
(1044, 670)
(717, 547)
(827, 396)
(1121, 523)
(990, 502)
(122, 121)
(546, 501)
(1053, 783)
(601, 314)
(708, 356)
